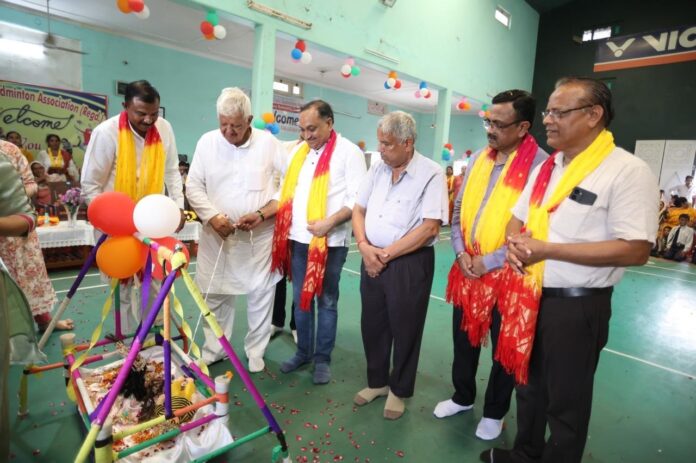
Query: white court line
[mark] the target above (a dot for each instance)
(653, 265)
(660, 276)
(84, 288)
(92, 275)
(615, 352)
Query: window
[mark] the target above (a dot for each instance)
(503, 17)
(599, 33)
(288, 88)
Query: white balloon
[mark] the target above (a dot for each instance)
(219, 32)
(306, 58)
(424, 92)
(156, 216)
(144, 13)
(391, 81)
(345, 69)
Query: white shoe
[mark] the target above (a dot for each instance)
(294, 335)
(256, 364)
(489, 429)
(275, 330)
(449, 407)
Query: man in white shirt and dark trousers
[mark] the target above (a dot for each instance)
(231, 185)
(396, 221)
(686, 190)
(679, 240)
(312, 232)
(588, 212)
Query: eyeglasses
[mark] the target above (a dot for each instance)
(560, 113)
(489, 124)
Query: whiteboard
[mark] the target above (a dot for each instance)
(652, 152)
(678, 162)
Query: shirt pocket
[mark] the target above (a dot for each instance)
(256, 179)
(398, 211)
(570, 219)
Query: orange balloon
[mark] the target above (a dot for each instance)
(268, 118)
(123, 6)
(121, 256)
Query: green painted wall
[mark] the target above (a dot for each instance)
(655, 102)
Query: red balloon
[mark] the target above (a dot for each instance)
(301, 45)
(448, 146)
(112, 213)
(136, 5)
(397, 84)
(168, 242)
(207, 28)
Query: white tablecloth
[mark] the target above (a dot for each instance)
(83, 234)
(62, 235)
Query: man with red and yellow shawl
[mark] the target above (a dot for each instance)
(493, 182)
(134, 153)
(310, 241)
(588, 211)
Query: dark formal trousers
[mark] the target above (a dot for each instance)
(465, 364)
(394, 305)
(570, 334)
(279, 305)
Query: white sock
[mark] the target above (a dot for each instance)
(449, 407)
(489, 429)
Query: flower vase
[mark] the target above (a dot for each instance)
(72, 216)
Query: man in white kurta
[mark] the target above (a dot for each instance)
(99, 169)
(231, 185)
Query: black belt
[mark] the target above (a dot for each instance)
(575, 292)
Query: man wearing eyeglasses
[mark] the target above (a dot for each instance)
(491, 186)
(587, 212)
(230, 185)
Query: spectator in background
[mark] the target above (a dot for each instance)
(459, 181)
(43, 195)
(681, 206)
(680, 240)
(687, 190)
(14, 137)
(58, 162)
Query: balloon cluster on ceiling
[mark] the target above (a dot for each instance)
(349, 68)
(423, 90)
(211, 27)
(463, 104)
(484, 111)
(392, 81)
(137, 7)
(447, 152)
(299, 54)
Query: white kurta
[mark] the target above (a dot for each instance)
(231, 180)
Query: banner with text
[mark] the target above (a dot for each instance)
(647, 49)
(35, 111)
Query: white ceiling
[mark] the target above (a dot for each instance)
(175, 25)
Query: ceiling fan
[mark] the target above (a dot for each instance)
(50, 41)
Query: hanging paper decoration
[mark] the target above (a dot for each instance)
(299, 54)
(267, 122)
(447, 152)
(392, 81)
(423, 90)
(349, 68)
(137, 7)
(463, 104)
(211, 27)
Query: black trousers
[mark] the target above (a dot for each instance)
(465, 364)
(570, 335)
(394, 305)
(279, 306)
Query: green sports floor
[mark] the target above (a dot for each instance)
(644, 402)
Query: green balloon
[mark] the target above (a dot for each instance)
(355, 71)
(212, 17)
(484, 107)
(259, 124)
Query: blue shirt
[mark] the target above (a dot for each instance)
(394, 209)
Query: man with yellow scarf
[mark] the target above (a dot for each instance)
(310, 241)
(587, 212)
(134, 153)
(491, 187)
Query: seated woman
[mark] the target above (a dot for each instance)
(671, 218)
(43, 196)
(58, 162)
(23, 256)
(15, 138)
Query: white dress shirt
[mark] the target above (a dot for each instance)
(234, 180)
(99, 167)
(685, 238)
(684, 192)
(625, 208)
(394, 209)
(346, 171)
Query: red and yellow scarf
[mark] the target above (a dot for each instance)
(476, 297)
(316, 210)
(519, 295)
(149, 179)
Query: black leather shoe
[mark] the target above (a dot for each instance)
(495, 456)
